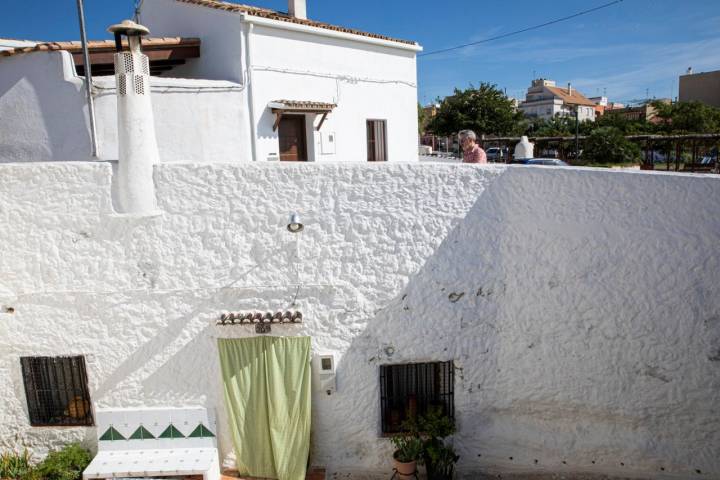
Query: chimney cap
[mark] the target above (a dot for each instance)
(129, 28)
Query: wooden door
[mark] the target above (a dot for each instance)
(291, 133)
(376, 141)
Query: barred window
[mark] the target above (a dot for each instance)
(56, 391)
(410, 390)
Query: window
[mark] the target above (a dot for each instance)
(376, 141)
(56, 391)
(409, 390)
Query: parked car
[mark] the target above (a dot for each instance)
(552, 162)
(496, 154)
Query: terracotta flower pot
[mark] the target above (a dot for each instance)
(405, 469)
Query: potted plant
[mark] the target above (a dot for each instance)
(440, 462)
(408, 449)
(439, 459)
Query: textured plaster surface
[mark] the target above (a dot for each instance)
(580, 307)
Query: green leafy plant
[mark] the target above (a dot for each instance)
(433, 428)
(440, 463)
(65, 464)
(408, 447)
(14, 464)
(608, 145)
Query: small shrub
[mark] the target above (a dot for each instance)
(65, 464)
(15, 465)
(607, 145)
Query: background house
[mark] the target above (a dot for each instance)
(645, 112)
(545, 100)
(268, 86)
(702, 87)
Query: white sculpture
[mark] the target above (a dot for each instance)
(524, 150)
(137, 144)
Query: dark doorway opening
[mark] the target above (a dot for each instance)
(292, 137)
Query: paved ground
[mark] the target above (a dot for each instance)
(564, 476)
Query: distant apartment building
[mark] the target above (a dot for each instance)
(701, 87)
(545, 100)
(601, 104)
(646, 112)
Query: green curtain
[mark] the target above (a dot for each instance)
(267, 394)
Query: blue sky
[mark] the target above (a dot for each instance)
(626, 50)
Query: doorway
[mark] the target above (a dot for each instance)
(292, 138)
(266, 384)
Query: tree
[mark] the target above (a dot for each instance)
(421, 118)
(694, 117)
(485, 110)
(608, 145)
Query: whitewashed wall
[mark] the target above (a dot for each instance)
(581, 307)
(366, 81)
(43, 114)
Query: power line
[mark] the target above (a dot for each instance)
(534, 27)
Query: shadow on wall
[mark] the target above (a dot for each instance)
(557, 299)
(42, 109)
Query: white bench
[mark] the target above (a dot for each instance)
(155, 442)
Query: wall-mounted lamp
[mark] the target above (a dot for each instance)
(294, 224)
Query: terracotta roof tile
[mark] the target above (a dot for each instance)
(275, 15)
(303, 105)
(95, 45)
(575, 98)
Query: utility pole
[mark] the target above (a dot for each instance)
(577, 133)
(88, 80)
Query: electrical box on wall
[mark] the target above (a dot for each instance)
(325, 373)
(327, 143)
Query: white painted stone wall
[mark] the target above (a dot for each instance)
(585, 325)
(43, 114)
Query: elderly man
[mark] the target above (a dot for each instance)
(472, 153)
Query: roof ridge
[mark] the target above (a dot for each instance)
(284, 17)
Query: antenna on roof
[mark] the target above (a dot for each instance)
(88, 79)
(138, 6)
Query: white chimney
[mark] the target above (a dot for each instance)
(569, 88)
(689, 71)
(137, 144)
(297, 8)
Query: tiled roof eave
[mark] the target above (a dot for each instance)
(274, 15)
(99, 45)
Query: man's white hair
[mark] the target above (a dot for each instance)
(467, 134)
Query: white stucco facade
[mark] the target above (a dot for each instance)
(43, 114)
(218, 111)
(580, 307)
(367, 78)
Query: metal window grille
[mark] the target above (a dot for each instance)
(56, 391)
(409, 390)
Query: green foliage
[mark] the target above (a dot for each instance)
(435, 424)
(608, 145)
(485, 110)
(440, 463)
(623, 124)
(408, 447)
(421, 118)
(14, 464)
(431, 429)
(693, 117)
(65, 464)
